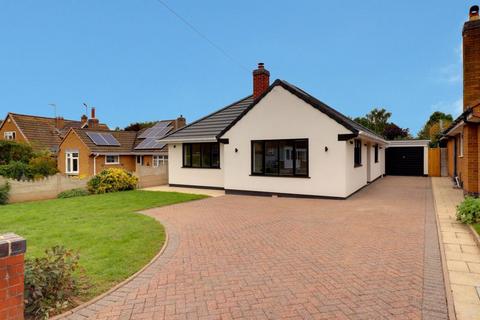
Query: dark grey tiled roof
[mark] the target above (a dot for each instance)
(216, 124)
(210, 126)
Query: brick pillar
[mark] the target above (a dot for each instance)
(12, 250)
(470, 159)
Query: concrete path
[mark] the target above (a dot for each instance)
(208, 192)
(373, 256)
(461, 251)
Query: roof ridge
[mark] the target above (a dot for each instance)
(43, 117)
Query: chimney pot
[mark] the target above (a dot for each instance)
(261, 80)
(93, 113)
(474, 13)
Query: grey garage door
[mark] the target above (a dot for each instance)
(404, 161)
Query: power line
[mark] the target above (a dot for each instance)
(203, 36)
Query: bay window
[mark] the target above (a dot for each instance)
(285, 158)
(201, 155)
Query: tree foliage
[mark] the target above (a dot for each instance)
(137, 126)
(377, 120)
(18, 161)
(435, 125)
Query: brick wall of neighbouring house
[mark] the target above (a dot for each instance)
(73, 142)
(12, 250)
(10, 126)
(469, 165)
(127, 162)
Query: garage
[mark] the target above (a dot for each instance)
(407, 158)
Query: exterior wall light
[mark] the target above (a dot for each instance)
(326, 148)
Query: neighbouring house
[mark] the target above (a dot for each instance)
(86, 152)
(41, 132)
(279, 141)
(463, 136)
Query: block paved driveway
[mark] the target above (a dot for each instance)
(373, 256)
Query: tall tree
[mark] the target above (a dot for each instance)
(375, 120)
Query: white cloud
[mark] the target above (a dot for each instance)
(455, 108)
(452, 73)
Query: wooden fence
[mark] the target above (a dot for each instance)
(434, 162)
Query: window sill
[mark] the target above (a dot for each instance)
(200, 168)
(112, 164)
(267, 176)
(357, 165)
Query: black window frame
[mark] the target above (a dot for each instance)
(293, 141)
(357, 153)
(202, 148)
(376, 153)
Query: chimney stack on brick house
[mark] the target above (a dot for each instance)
(59, 123)
(93, 121)
(84, 119)
(180, 122)
(471, 59)
(261, 80)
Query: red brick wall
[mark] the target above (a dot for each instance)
(471, 63)
(469, 165)
(12, 249)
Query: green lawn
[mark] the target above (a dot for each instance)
(477, 227)
(113, 240)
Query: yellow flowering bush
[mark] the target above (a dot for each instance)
(112, 180)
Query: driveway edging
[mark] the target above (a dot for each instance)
(446, 278)
(119, 285)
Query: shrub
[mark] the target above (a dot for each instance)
(469, 210)
(112, 180)
(14, 151)
(73, 193)
(16, 170)
(50, 284)
(4, 190)
(43, 165)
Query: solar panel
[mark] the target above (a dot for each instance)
(158, 130)
(103, 139)
(150, 143)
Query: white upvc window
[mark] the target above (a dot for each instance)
(9, 135)
(460, 140)
(112, 159)
(159, 160)
(72, 162)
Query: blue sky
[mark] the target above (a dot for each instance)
(135, 61)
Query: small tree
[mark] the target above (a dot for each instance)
(435, 125)
(394, 132)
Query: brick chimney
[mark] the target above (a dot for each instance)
(84, 119)
(471, 59)
(180, 122)
(261, 80)
(93, 121)
(59, 122)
